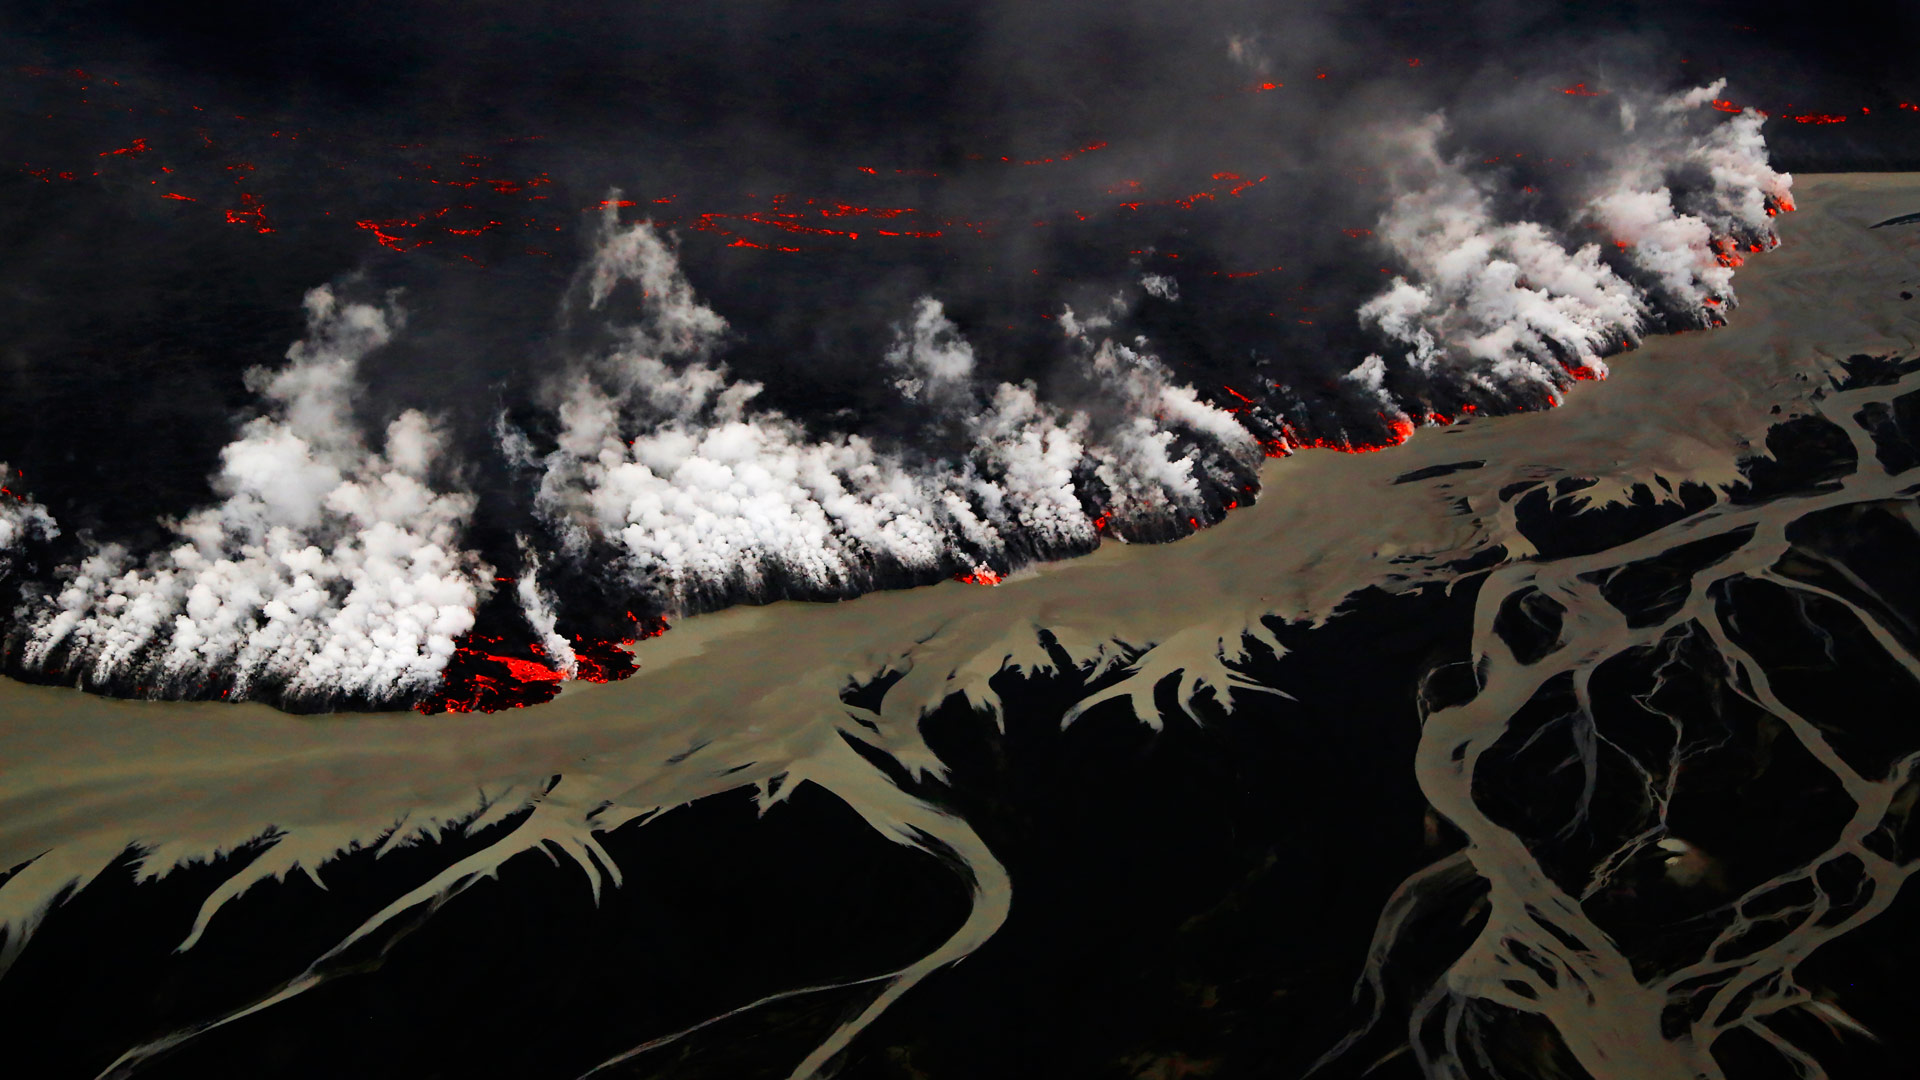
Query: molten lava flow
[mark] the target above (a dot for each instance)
(388, 239)
(252, 212)
(743, 242)
(1580, 90)
(602, 661)
(528, 670)
(845, 210)
(482, 677)
(1289, 442)
(1818, 118)
(1066, 156)
(786, 223)
(478, 680)
(1239, 185)
(1226, 184)
(979, 576)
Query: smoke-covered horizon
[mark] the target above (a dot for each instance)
(754, 346)
(332, 571)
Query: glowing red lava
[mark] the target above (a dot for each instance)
(388, 239)
(477, 680)
(1399, 430)
(1068, 155)
(252, 212)
(528, 670)
(980, 576)
(480, 678)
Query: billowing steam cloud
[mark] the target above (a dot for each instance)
(333, 572)
(1505, 306)
(707, 500)
(21, 520)
(329, 572)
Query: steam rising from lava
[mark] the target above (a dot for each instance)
(1505, 306)
(663, 458)
(334, 572)
(760, 699)
(21, 520)
(330, 572)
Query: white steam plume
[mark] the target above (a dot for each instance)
(1161, 286)
(21, 520)
(1501, 305)
(537, 604)
(328, 570)
(664, 456)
